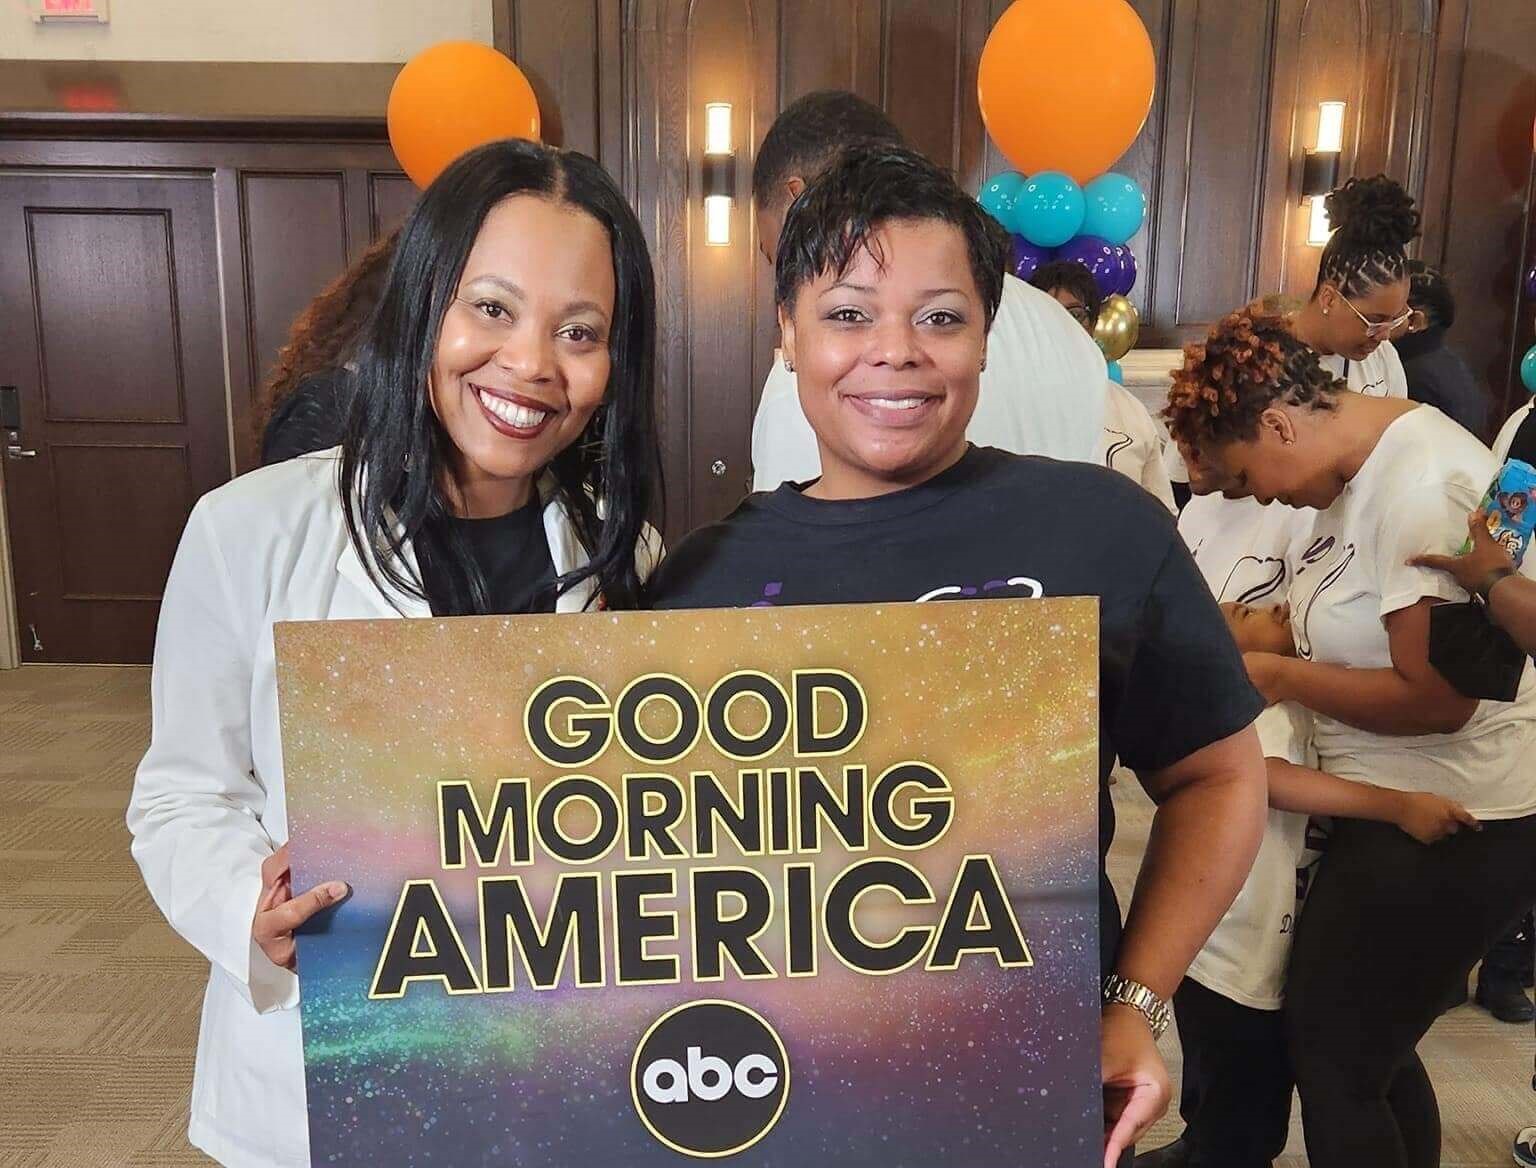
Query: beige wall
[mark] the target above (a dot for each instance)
(248, 30)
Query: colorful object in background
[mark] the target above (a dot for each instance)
(1510, 503)
(1027, 257)
(1117, 207)
(1049, 209)
(1126, 280)
(1066, 86)
(1099, 257)
(1528, 369)
(1116, 374)
(1000, 195)
(451, 98)
(1118, 328)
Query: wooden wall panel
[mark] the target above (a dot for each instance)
(1213, 160)
(1480, 186)
(294, 241)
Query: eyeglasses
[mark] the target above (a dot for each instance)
(1080, 314)
(1378, 329)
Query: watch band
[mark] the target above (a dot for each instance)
(1122, 991)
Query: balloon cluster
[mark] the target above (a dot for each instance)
(1062, 121)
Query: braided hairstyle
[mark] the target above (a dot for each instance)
(1250, 362)
(1374, 220)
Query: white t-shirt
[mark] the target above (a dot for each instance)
(1042, 392)
(1412, 495)
(1506, 437)
(1132, 444)
(1245, 957)
(1241, 546)
(1379, 375)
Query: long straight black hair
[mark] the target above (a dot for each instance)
(395, 454)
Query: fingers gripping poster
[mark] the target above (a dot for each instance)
(781, 886)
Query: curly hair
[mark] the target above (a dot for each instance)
(1374, 221)
(325, 335)
(1249, 362)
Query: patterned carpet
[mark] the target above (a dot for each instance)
(99, 1000)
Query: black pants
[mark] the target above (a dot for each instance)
(1389, 927)
(1513, 954)
(1235, 1095)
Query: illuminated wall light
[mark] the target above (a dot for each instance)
(1318, 227)
(1330, 127)
(1320, 171)
(719, 174)
(717, 220)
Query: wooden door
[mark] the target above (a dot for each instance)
(110, 333)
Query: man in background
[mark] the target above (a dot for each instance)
(1436, 373)
(1043, 390)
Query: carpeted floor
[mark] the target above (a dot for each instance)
(99, 999)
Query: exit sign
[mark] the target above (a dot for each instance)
(69, 11)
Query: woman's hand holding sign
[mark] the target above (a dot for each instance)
(279, 912)
(1136, 1087)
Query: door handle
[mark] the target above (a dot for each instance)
(10, 422)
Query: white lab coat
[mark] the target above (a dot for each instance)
(1042, 392)
(208, 802)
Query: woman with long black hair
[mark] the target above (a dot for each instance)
(500, 457)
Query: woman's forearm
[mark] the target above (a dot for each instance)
(1312, 792)
(1512, 606)
(1382, 701)
(1210, 818)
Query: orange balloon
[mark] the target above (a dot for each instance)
(452, 97)
(1066, 84)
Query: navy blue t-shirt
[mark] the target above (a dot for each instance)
(997, 525)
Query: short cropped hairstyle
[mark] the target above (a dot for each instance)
(811, 132)
(867, 188)
(1075, 278)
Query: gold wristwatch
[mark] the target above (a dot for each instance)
(1122, 991)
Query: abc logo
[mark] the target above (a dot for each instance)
(710, 1078)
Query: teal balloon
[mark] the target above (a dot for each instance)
(1050, 209)
(1000, 195)
(1116, 374)
(1528, 370)
(1116, 207)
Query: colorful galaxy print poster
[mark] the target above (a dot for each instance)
(801, 887)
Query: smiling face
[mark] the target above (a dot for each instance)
(522, 359)
(888, 357)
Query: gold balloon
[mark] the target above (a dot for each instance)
(1118, 328)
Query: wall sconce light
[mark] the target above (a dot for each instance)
(719, 174)
(1320, 172)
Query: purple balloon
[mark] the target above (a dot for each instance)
(1098, 256)
(1027, 257)
(1530, 284)
(1127, 276)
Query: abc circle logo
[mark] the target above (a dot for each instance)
(710, 1078)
